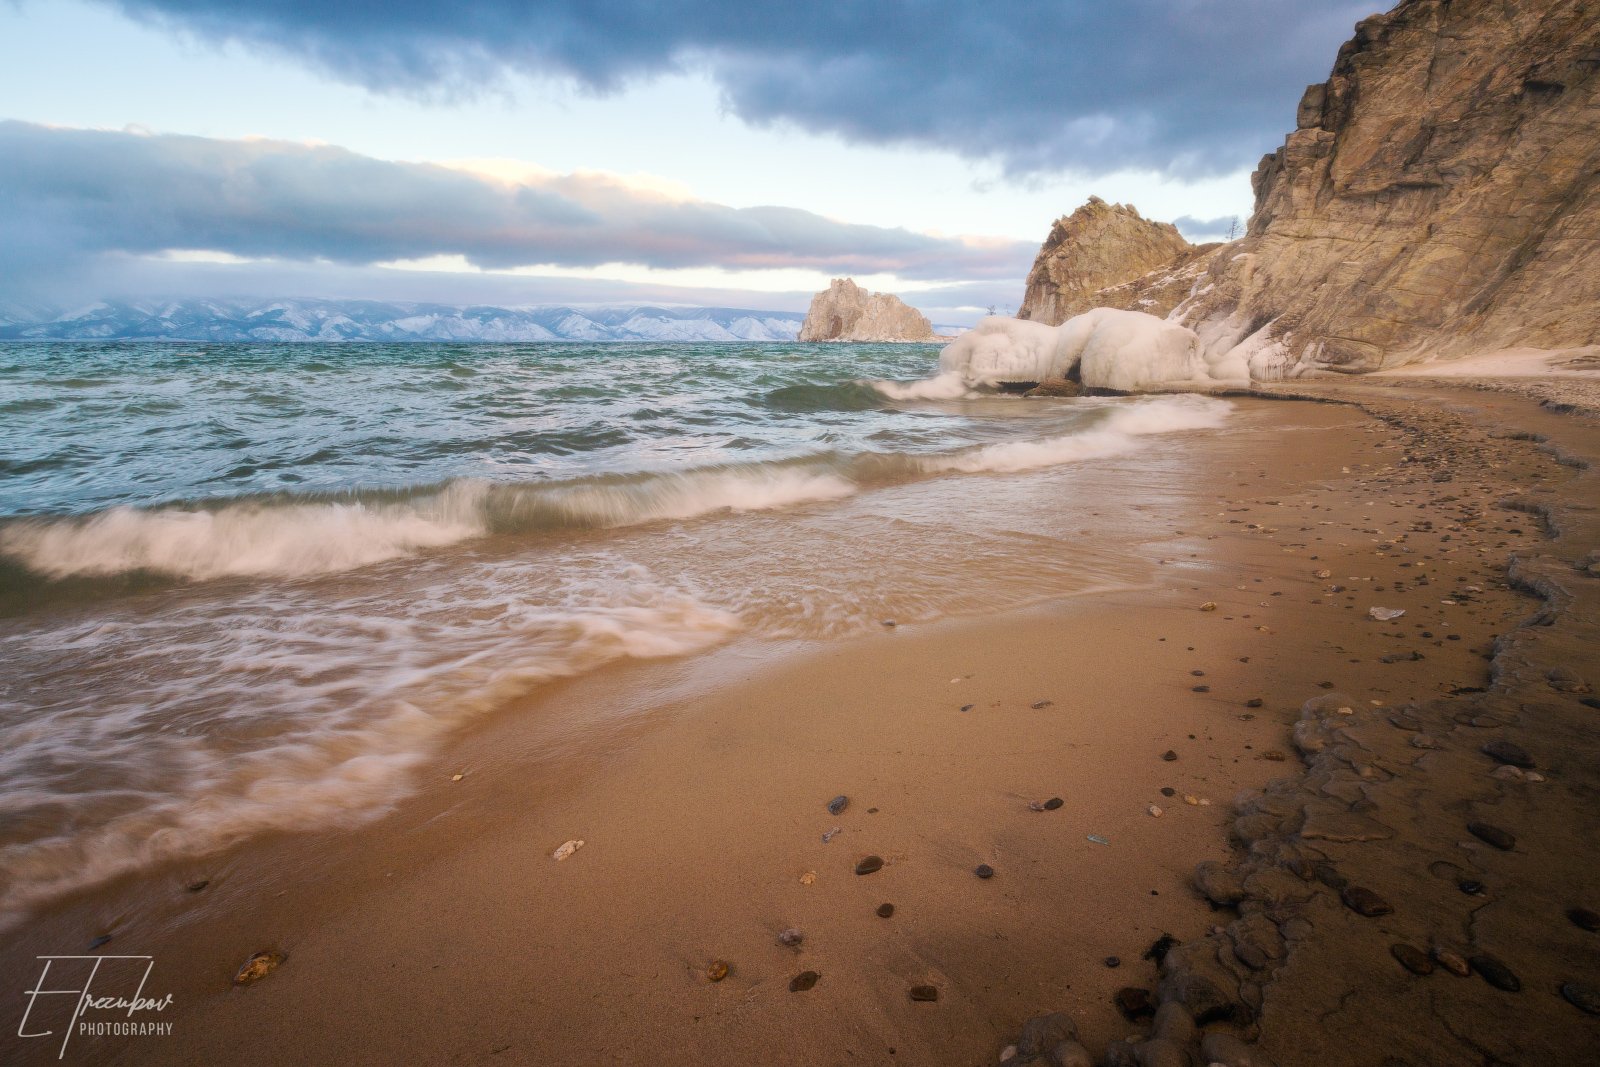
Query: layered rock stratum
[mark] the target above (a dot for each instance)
(846, 312)
(1440, 197)
(1097, 246)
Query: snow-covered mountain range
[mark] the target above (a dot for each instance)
(371, 320)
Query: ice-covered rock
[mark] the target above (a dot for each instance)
(1104, 348)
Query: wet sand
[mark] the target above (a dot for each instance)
(447, 934)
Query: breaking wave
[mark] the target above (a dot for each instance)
(294, 536)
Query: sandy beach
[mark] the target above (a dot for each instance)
(1162, 711)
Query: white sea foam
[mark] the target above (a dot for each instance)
(296, 539)
(946, 385)
(279, 713)
(1117, 434)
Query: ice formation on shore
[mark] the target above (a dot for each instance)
(1128, 351)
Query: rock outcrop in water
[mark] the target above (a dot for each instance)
(1440, 197)
(1097, 246)
(846, 312)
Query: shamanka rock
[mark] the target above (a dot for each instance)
(846, 312)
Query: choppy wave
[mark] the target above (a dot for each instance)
(289, 536)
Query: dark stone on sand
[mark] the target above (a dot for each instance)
(1254, 702)
(1506, 752)
(1583, 997)
(1113, 962)
(1496, 973)
(1584, 918)
(1565, 680)
(97, 942)
(1470, 886)
(1205, 1001)
(1590, 702)
(870, 865)
(924, 993)
(1134, 1003)
(838, 804)
(983, 870)
(195, 887)
(1053, 803)
(803, 981)
(1160, 947)
(1329, 875)
(1201, 689)
(1500, 839)
(885, 910)
(1168, 791)
(1169, 755)
(791, 937)
(968, 707)
(1364, 901)
(1411, 958)
(1218, 884)
(1198, 674)
(1042, 1033)
(1040, 704)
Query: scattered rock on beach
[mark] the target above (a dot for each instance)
(717, 971)
(983, 870)
(1584, 918)
(1169, 755)
(803, 981)
(1042, 1033)
(1134, 1003)
(258, 967)
(1508, 753)
(885, 910)
(1411, 958)
(1039, 705)
(924, 993)
(195, 887)
(1218, 884)
(1585, 998)
(1496, 973)
(1453, 962)
(98, 941)
(566, 850)
(791, 937)
(1210, 605)
(869, 865)
(1364, 901)
(1565, 680)
(838, 804)
(1501, 839)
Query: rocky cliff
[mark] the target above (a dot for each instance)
(1097, 246)
(1439, 197)
(846, 312)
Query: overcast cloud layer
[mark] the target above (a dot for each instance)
(1187, 87)
(69, 196)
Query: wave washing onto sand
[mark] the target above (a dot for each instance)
(295, 537)
(283, 713)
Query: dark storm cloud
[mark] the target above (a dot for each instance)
(1190, 87)
(67, 195)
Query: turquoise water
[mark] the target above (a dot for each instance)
(255, 587)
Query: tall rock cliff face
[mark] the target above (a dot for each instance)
(846, 312)
(1097, 246)
(1441, 196)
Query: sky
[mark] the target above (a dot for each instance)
(604, 151)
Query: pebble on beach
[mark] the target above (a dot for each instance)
(1169, 755)
(566, 850)
(1508, 753)
(1493, 835)
(1411, 958)
(1496, 973)
(1584, 918)
(258, 967)
(791, 937)
(838, 804)
(924, 993)
(869, 865)
(1364, 901)
(803, 981)
(983, 870)
(885, 910)
(717, 971)
(1134, 1003)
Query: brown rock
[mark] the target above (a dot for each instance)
(846, 312)
(1364, 901)
(1097, 246)
(1411, 958)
